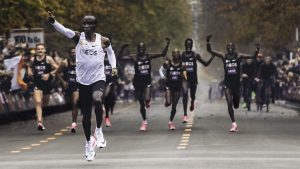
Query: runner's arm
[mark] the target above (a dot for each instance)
(164, 52)
(199, 58)
(110, 52)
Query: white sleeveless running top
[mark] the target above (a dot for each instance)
(89, 60)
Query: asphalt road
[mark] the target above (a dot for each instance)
(265, 140)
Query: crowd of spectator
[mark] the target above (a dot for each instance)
(288, 81)
(287, 85)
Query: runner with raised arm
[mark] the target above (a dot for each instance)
(189, 59)
(231, 61)
(90, 47)
(142, 78)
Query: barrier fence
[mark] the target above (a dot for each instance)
(293, 94)
(16, 102)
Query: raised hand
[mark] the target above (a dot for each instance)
(114, 73)
(168, 40)
(184, 74)
(51, 18)
(208, 37)
(257, 47)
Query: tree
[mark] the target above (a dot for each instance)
(270, 22)
(127, 21)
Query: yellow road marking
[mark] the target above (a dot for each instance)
(26, 148)
(51, 138)
(185, 141)
(15, 151)
(43, 141)
(33, 145)
(58, 134)
(186, 135)
(64, 130)
(183, 144)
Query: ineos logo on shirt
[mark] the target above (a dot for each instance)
(42, 67)
(72, 72)
(189, 64)
(231, 65)
(90, 52)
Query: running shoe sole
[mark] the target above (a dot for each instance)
(102, 145)
(234, 131)
(184, 121)
(41, 128)
(90, 160)
(73, 130)
(94, 145)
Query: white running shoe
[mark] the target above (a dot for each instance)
(100, 140)
(185, 119)
(73, 127)
(171, 125)
(234, 127)
(144, 126)
(90, 149)
(41, 127)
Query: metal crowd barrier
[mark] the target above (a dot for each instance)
(293, 94)
(17, 104)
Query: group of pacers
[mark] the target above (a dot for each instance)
(90, 71)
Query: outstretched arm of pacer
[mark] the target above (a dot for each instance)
(254, 56)
(63, 30)
(164, 52)
(205, 63)
(209, 48)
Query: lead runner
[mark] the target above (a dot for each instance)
(90, 54)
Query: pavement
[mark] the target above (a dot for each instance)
(265, 140)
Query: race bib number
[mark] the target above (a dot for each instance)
(231, 71)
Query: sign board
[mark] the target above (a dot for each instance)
(30, 36)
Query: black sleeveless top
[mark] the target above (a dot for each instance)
(70, 73)
(142, 68)
(232, 69)
(190, 62)
(40, 68)
(174, 73)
